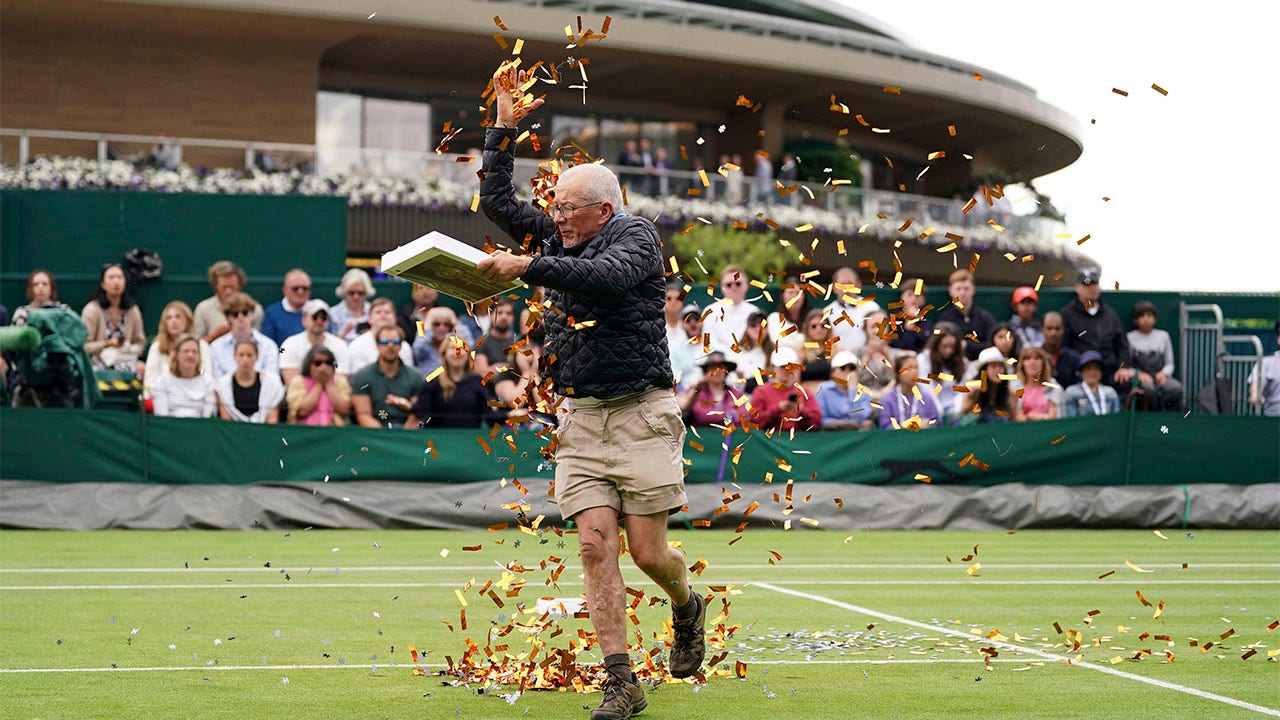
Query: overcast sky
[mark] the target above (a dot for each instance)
(1189, 174)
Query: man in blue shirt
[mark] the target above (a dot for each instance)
(284, 319)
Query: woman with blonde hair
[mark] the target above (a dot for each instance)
(1035, 400)
(176, 320)
(441, 323)
(456, 398)
(355, 289)
(187, 390)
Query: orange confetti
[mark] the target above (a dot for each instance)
(1159, 89)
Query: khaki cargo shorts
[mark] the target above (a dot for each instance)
(626, 454)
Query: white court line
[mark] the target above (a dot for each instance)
(1023, 649)
(374, 666)
(976, 582)
(748, 566)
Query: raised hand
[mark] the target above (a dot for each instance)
(509, 83)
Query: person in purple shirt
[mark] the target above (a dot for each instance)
(904, 407)
(283, 320)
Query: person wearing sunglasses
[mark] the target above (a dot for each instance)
(727, 321)
(238, 309)
(441, 322)
(363, 350)
(284, 319)
(318, 395)
(315, 318)
(848, 299)
(354, 292)
(383, 392)
(620, 454)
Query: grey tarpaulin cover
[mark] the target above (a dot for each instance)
(392, 504)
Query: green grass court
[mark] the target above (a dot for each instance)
(317, 624)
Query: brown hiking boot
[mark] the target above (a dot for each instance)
(622, 699)
(690, 644)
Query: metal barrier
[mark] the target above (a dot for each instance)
(1201, 344)
(1207, 356)
(1236, 368)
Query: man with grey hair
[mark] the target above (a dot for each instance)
(620, 453)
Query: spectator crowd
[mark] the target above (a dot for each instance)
(839, 356)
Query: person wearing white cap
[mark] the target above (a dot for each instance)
(990, 397)
(844, 404)
(315, 323)
(782, 403)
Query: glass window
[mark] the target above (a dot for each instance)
(338, 132)
(397, 133)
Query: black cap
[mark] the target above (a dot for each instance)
(1088, 276)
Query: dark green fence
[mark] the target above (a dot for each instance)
(1137, 449)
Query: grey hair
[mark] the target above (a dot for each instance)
(355, 276)
(598, 184)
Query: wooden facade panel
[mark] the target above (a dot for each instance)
(30, 93)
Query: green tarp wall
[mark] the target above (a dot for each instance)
(1139, 449)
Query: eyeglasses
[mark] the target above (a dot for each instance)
(566, 210)
(848, 367)
(300, 288)
(733, 284)
(237, 313)
(442, 324)
(322, 363)
(389, 341)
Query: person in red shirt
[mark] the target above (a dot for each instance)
(782, 403)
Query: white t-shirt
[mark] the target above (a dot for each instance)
(363, 352)
(724, 322)
(295, 348)
(852, 337)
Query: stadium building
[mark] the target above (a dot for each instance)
(370, 88)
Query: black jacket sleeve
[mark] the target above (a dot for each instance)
(516, 218)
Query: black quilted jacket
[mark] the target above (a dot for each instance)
(615, 279)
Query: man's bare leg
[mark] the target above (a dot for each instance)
(606, 596)
(598, 548)
(647, 540)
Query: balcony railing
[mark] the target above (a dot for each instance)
(370, 226)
